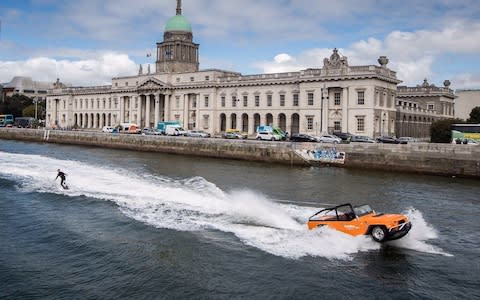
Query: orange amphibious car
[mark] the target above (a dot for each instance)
(362, 220)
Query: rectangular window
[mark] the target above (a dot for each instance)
(177, 117)
(269, 100)
(194, 102)
(192, 79)
(361, 98)
(245, 101)
(207, 78)
(295, 99)
(336, 126)
(206, 101)
(282, 100)
(234, 101)
(257, 100)
(337, 99)
(310, 122)
(361, 123)
(310, 98)
(223, 101)
(431, 107)
(177, 101)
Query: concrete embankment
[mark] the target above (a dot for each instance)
(425, 158)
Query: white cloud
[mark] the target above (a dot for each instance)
(87, 72)
(414, 55)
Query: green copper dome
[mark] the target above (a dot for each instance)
(178, 23)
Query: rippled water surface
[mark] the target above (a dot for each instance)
(148, 225)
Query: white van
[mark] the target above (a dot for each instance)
(175, 130)
(268, 136)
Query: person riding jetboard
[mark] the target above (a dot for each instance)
(62, 179)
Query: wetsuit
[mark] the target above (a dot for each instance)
(62, 177)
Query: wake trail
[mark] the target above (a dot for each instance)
(194, 204)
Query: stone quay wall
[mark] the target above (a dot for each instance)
(423, 158)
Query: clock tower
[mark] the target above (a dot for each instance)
(177, 53)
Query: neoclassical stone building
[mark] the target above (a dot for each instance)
(333, 98)
(418, 107)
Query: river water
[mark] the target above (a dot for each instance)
(139, 225)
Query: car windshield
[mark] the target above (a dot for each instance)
(363, 210)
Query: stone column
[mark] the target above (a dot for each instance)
(288, 123)
(147, 111)
(345, 115)
(139, 110)
(228, 121)
(168, 99)
(251, 125)
(185, 111)
(197, 111)
(324, 125)
(122, 109)
(157, 109)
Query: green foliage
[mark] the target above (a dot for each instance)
(441, 132)
(15, 105)
(29, 111)
(474, 116)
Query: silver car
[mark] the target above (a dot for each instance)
(329, 138)
(198, 133)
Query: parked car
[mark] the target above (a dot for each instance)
(406, 140)
(345, 136)
(387, 140)
(232, 135)
(329, 138)
(361, 139)
(243, 135)
(108, 129)
(198, 133)
(268, 136)
(465, 141)
(150, 131)
(303, 138)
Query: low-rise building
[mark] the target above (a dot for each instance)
(418, 107)
(23, 85)
(466, 101)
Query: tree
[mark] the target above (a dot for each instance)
(441, 132)
(15, 105)
(29, 111)
(474, 116)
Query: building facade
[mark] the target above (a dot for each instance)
(26, 86)
(418, 107)
(466, 101)
(334, 98)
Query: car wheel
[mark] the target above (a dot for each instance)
(272, 139)
(378, 233)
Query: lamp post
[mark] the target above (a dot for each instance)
(35, 99)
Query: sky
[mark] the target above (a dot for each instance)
(88, 42)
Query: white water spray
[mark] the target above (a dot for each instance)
(195, 204)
